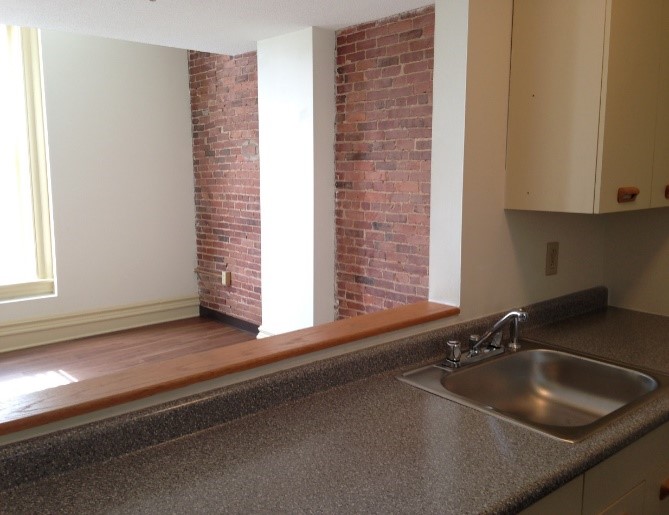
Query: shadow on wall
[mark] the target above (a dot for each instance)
(636, 260)
(581, 253)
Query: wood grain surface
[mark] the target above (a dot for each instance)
(35, 409)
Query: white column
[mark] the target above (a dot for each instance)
(448, 148)
(296, 105)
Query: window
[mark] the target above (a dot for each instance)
(26, 267)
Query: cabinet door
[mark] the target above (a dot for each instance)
(657, 500)
(660, 192)
(565, 500)
(629, 504)
(554, 104)
(629, 103)
(610, 481)
(631, 477)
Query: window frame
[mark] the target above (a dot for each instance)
(44, 285)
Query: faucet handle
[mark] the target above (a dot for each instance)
(454, 351)
(473, 340)
(496, 342)
(514, 330)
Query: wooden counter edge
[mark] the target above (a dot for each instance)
(39, 408)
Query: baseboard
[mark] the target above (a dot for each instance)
(229, 320)
(40, 331)
(262, 333)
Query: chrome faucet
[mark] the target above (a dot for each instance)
(492, 338)
(495, 332)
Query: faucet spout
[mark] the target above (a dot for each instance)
(511, 319)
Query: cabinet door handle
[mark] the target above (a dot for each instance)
(666, 191)
(664, 489)
(627, 194)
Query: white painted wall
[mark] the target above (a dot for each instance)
(503, 253)
(324, 174)
(120, 146)
(637, 260)
(296, 125)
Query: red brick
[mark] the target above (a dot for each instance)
(355, 36)
(224, 99)
(385, 41)
(376, 52)
(382, 189)
(346, 49)
(366, 44)
(411, 34)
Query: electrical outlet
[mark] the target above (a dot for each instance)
(552, 252)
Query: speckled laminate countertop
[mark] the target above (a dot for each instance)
(640, 339)
(374, 445)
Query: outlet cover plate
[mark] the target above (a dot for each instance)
(552, 252)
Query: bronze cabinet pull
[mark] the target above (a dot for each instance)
(627, 194)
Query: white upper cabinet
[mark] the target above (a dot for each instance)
(588, 105)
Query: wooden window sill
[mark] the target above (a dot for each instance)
(39, 408)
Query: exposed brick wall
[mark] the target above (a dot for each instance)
(224, 104)
(383, 156)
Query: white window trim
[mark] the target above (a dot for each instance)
(26, 290)
(45, 284)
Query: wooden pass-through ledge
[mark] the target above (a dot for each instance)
(39, 408)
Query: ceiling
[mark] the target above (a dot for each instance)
(221, 26)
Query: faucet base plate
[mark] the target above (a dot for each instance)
(467, 358)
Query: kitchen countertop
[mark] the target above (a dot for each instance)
(372, 445)
(640, 339)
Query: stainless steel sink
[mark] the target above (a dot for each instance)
(559, 393)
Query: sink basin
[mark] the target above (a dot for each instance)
(562, 394)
